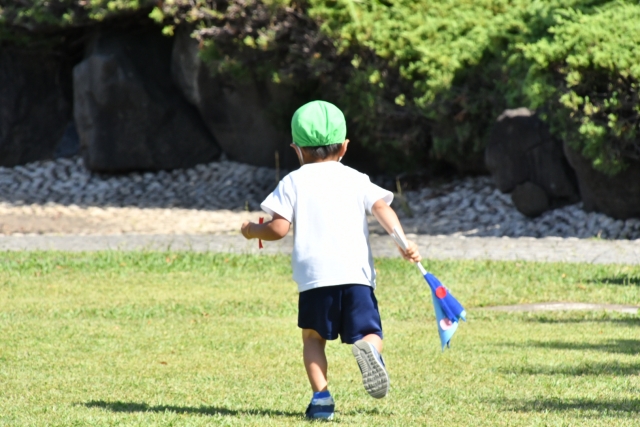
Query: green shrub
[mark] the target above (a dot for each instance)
(468, 59)
(244, 39)
(586, 74)
(424, 78)
(42, 23)
(37, 15)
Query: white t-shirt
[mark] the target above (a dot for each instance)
(327, 204)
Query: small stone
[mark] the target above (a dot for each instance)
(530, 199)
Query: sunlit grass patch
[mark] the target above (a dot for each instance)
(157, 339)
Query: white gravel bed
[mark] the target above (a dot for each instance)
(62, 197)
(217, 185)
(475, 207)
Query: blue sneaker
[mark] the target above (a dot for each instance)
(321, 408)
(374, 373)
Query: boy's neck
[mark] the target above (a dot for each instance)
(314, 160)
(306, 159)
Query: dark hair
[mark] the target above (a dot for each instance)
(324, 151)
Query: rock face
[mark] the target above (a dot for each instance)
(35, 105)
(239, 114)
(128, 113)
(617, 196)
(69, 144)
(520, 149)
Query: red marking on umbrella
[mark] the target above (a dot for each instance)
(441, 292)
(260, 221)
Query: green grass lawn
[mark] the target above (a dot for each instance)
(185, 339)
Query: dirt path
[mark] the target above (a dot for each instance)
(433, 247)
(73, 220)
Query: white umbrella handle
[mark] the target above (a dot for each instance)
(400, 240)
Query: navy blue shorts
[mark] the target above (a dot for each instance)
(350, 311)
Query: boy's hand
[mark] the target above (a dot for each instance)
(274, 229)
(412, 253)
(246, 226)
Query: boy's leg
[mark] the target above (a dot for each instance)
(374, 373)
(375, 340)
(322, 405)
(318, 316)
(315, 359)
(363, 328)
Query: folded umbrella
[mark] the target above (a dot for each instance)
(447, 308)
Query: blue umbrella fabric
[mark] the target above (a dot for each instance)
(447, 308)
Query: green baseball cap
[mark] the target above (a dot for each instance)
(318, 123)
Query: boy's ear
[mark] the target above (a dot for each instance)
(298, 153)
(343, 150)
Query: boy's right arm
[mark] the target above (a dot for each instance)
(275, 229)
(387, 217)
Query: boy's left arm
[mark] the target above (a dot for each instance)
(275, 229)
(387, 217)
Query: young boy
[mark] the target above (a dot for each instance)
(332, 263)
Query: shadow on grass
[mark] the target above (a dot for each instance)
(634, 321)
(618, 407)
(201, 410)
(621, 369)
(618, 280)
(612, 346)
(131, 407)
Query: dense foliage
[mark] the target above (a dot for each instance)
(588, 72)
(283, 42)
(419, 78)
(42, 15)
(38, 23)
(469, 59)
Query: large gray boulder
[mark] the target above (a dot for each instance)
(244, 116)
(617, 196)
(128, 113)
(521, 150)
(35, 104)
